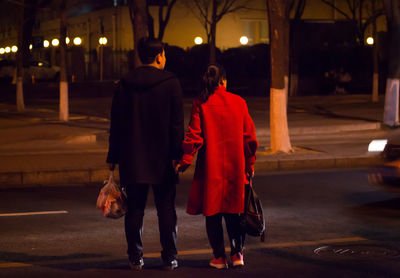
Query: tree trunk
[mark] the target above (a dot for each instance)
(391, 110)
(294, 49)
(20, 68)
(278, 17)
(375, 76)
(139, 22)
(64, 113)
(213, 31)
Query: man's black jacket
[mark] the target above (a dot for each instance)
(146, 130)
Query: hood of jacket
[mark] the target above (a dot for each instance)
(146, 77)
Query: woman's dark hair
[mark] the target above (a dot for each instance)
(148, 49)
(212, 78)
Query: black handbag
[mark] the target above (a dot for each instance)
(252, 221)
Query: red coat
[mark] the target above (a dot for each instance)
(223, 132)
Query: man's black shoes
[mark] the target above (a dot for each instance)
(137, 264)
(171, 265)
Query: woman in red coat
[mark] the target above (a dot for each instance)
(223, 133)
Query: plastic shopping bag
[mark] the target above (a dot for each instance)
(112, 199)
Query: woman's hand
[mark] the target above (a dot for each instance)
(249, 171)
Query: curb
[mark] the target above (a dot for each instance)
(84, 176)
(52, 177)
(317, 130)
(287, 164)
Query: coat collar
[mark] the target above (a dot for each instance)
(220, 89)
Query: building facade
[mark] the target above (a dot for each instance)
(112, 21)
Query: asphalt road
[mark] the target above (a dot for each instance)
(320, 224)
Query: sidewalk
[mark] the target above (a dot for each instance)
(325, 132)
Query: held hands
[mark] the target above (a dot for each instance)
(178, 167)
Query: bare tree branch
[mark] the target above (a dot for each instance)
(329, 3)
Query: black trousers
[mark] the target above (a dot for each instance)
(164, 197)
(216, 234)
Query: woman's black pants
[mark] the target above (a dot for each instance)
(164, 198)
(216, 234)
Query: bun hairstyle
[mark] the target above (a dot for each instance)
(212, 78)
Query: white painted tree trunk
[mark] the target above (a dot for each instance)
(375, 85)
(64, 113)
(280, 140)
(391, 111)
(20, 94)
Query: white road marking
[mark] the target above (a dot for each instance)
(33, 213)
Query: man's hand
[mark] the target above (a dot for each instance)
(111, 166)
(175, 165)
(178, 167)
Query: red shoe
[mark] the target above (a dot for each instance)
(219, 263)
(237, 260)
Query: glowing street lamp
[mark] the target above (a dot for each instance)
(370, 40)
(103, 41)
(30, 47)
(14, 48)
(77, 41)
(46, 43)
(2, 51)
(244, 40)
(67, 40)
(7, 49)
(55, 42)
(198, 40)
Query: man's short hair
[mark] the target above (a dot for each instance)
(148, 49)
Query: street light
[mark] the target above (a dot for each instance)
(7, 49)
(30, 47)
(14, 48)
(55, 42)
(244, 40)
(46, 43)
(2, 51)
(370, 40)
(77, 41)
(103, 41)
(198, 40)
(67, 40)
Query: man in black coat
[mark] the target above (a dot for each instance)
(146, 135)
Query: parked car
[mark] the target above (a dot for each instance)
(39, 70)
(387, 175)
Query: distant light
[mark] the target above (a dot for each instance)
(14, 48)
(198, 40)
(46, 43)
(40, 64)
(7, 49)
(77, 41)
(103, 41)
(370, 40)
(244, 40)
(30, 46)
(55, 42)
(377, 145)
(2, 51)
(67, 40)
